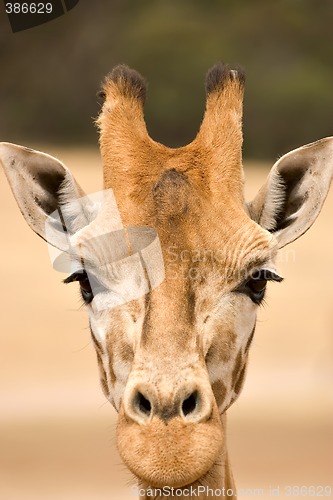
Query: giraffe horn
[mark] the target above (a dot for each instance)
(123, 132)
(220, 133)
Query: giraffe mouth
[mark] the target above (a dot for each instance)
(175, 454)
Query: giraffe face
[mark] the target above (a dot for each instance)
(173, 358)
(198, 310)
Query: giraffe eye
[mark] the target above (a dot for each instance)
(86, 290)
(85, 285)
(255, 287)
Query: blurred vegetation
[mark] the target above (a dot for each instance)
(50, 74)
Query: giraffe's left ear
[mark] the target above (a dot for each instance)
(294, 192)
(38, 181)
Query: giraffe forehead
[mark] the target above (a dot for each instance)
(220, 260)
(199, 231)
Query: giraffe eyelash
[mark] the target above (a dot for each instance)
(89, 285)
(255, 285)
(265, 274)
(76, 276)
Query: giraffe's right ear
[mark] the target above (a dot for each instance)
(291, 199)
(35, 179)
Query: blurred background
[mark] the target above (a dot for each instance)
(50, 74)
(57, 434)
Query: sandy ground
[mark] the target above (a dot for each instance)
(57, 434)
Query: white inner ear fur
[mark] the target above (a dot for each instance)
(275, 199)
(77, 211)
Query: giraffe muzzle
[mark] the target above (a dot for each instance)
(169, 437)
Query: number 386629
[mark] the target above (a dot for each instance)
(28, 8)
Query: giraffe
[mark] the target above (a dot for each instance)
(174, 359)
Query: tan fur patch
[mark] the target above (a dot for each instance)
(126, 352)
(237, 368)
(240, 381)
(111, 370)
(220, 391)
(103, 377)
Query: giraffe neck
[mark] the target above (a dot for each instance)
(218, 478)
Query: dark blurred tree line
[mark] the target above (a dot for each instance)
(49, 75)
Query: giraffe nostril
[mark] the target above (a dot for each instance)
(142, 404)
(190, 404)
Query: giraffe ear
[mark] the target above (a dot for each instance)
(294, 192)
(38, 182)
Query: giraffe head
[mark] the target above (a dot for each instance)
(173, 359)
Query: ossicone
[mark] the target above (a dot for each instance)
(125, 81)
